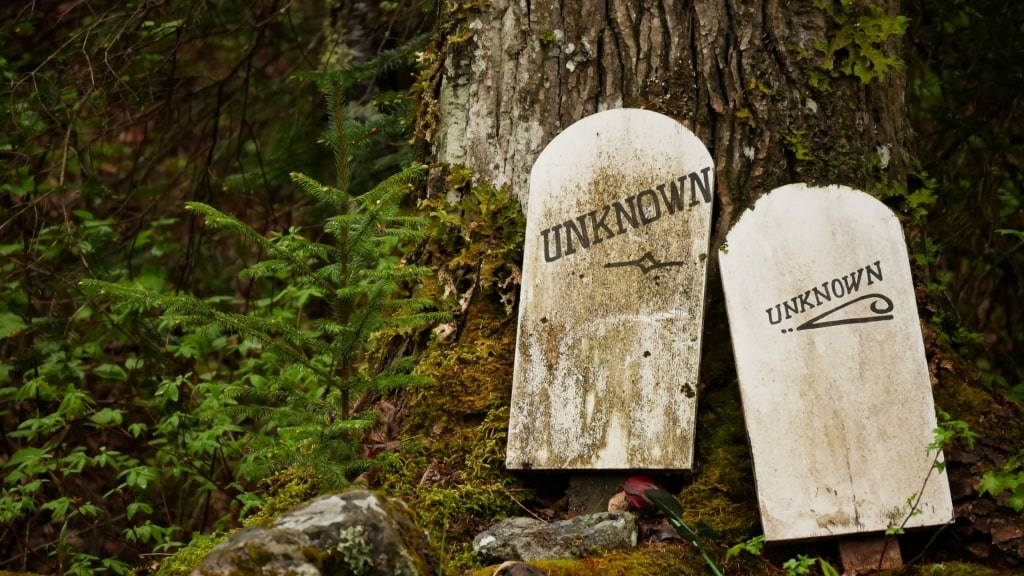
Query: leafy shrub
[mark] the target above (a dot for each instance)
(248, 386)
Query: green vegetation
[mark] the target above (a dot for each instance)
(197, 334)
(673, 511)
(856, 46)
(1009, 479)
(353, 549)
(311, 342)
(795, 142)
(143, 394)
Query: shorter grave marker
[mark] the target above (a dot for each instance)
(831, 365)
(612, 300)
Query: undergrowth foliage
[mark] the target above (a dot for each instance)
(350, 285)
(249, 386)
(104, 460)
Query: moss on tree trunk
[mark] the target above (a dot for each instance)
(780, 92)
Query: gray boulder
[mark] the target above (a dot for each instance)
(357, 533)
(528, 539)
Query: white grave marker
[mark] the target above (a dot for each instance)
(612, 301)
(831, 365)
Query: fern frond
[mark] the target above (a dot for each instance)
(408, 324)
(306, 346)
(396, 273)
(399, 225)
(218, 220)
(401, 365)
(384, 61)
(124, 294)
(245, 412)
(401, 181)
(273, 334)
(327, 195)
(413, 305)
(273, 268)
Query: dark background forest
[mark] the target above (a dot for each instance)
(123, 429)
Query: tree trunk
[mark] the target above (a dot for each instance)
(740, 74)
(780, 92)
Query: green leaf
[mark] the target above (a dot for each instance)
(136, 429)
(88, 509)
(58, 507)
(1018, 234)
(921, 197)
(74, 462)
(169, 389)
(26, 456)
(138, 477)
(135, 507)
(665, 502)
(992, 483)
(115, 566)
(1016, 501)
(107, 417)
(111, 372)
(11, 325)
(752, 546)
(827, 569)
(107, 458)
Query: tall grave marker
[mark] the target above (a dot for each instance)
(612, 300)
(831, 365)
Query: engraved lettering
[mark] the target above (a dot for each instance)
(644, 217)
(558, 244)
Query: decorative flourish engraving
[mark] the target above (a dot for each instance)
(645, 263)
(881, 307)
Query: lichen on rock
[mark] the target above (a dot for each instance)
(530, 539)
(357, 532)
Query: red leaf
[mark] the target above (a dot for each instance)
(634, 486)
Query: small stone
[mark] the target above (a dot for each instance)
(980, 550)
(1003, 531)
(618, 503)
(527, 539)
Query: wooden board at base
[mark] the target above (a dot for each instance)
(831, 365)
(612, 301)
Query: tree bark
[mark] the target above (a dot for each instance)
(751, 78)
(736, 72)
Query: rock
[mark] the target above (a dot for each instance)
(261, 551)
(1003, 531)
(356, 532)
(618, 503)
(528, 539)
